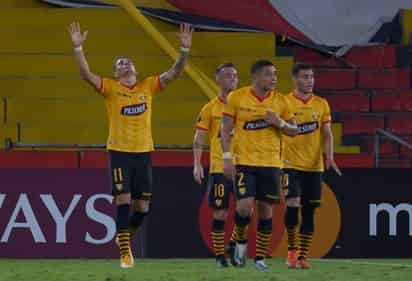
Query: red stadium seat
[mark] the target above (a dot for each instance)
(406, 101)
(395, 163)
(386, 102)
(406, 152)
(336, 79)
(372, 56)
(384, 79)
(400, 124)
(362, 124)
(366, 57)
(385, 146)
(361, 160)
(305, 55)
(356, 101)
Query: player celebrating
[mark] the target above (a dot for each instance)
(129, 107)
(257, 114)
(303, 162)
(219, 188)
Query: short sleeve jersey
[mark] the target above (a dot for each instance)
(129, 111)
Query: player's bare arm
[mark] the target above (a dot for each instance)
(328, 148)
(287, 127)
(198, 173)
(185, 35)
(227, 128)
(78, 39)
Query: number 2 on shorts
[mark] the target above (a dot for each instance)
(240, 181)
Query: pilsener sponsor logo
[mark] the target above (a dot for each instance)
(135, 109)
(256, 125)
(307, 128)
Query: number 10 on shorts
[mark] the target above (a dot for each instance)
(219, 190)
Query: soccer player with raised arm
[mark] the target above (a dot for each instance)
(303, 163)
(219, 188)
(259, 116)
(129, 107)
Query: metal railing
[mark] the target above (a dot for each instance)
(14, 145)
(390, 136)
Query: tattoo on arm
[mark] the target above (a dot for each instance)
(176, 70)
(179, 65)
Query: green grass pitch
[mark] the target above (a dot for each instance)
(202, 270)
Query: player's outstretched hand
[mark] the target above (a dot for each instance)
(198, 173)
(229, 169)
(77, 37)
(330, 163)
(185, 35)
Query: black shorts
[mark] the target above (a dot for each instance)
(131, 173)
(262, 183)
(306, 185)
(219, 189)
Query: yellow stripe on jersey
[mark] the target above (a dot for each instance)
(129, 110)
(257, 143)
(210, 119)
(304, 151)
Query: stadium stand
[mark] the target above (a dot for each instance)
(52, 104)
(375, 93)
(368, 88)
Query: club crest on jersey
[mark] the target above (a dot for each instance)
(256, 125)
(123, 95)
(245, 109)
(315, 116)
(307, 128)
(218, 202)
(142, 98)
(134, 110)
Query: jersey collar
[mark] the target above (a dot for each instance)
(302, 100)
(261, 99)
(129, 87)
(221, 99)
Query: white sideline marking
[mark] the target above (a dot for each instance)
(362, 262)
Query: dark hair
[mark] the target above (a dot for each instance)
(259, 65)
(297, 67)
(224, 65)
